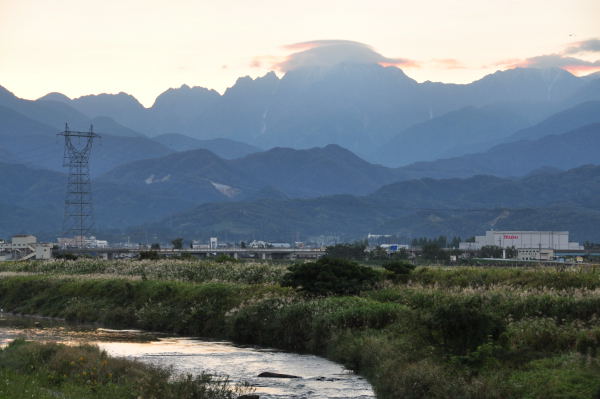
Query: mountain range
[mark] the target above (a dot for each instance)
(348, 149)
(358, 106)
(424, 207)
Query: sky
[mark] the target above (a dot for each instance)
(144, 47)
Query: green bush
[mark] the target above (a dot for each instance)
(150, 255)
(562, 377)
(399, 270)
(224, 258)
(460, 326)
(330, 276)
(354, 251)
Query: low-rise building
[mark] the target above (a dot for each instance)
(86, 242)
(392, 248)
(23, 247)
(535, 254)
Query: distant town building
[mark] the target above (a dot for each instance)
(535, 254)
(197, 244)
(377, 236)
(88, 242)
(258, 244)
(280, 245)
(392, 248)
(555, 240)
(23, 247)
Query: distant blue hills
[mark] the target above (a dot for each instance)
(348, 148)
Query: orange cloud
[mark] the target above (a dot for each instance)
(267, 61)
(400, 62)
(582, 70)
(448, 63)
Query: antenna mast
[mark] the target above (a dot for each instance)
(79, 219)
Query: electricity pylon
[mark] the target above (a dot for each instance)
(79, 218)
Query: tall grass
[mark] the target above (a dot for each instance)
(36, 370)
(460, 332)
(163, 269)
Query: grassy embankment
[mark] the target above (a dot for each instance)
(443, 332)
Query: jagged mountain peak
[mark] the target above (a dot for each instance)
(185, 95)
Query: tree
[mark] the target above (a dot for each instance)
(441, 241)
(433, 252)
(155, 246)
(378, 253)
(454, 243)
(151, 255)
(402, 253)
(177, 243)
(354, 251)
(399, 269)
(490, 251)
(329, 276)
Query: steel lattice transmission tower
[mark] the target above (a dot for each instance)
(79, 219)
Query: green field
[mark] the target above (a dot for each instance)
(462, 332)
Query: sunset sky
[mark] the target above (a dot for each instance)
(143, 47)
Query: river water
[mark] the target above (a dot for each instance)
(320, 378)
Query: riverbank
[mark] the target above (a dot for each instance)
(444, 332)
(45, 371)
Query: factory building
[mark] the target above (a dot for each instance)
(555, 240)
(23, 247)
(535, 254)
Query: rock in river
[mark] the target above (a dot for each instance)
(276, 375)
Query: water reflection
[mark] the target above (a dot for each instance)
(320, 378)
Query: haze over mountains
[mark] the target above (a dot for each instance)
(319, 151)
(358, 106)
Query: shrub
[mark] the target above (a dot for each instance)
(223, 258)
(355, 251)
(66, 256)
(330, 276)
(458, 326)
(399, 270)
(566, 376)
(152, 255)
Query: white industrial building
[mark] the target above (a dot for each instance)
(23, 247)
(86, 242)
(535, 254)
(555, 240)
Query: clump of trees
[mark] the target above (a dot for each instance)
(353, 251)
(398, 270)
(331, 276)
(149, 255)
(177, 243)
(441, 241)
(433, 252)
(66, 256)
(494, 251)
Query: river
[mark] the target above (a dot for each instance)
(319, 377)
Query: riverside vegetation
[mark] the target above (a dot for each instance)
(36, 370)
(431, 332)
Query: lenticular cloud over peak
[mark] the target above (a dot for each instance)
(325, 53)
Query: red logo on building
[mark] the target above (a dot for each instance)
(510, 237)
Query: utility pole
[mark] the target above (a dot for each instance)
(78, 219)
